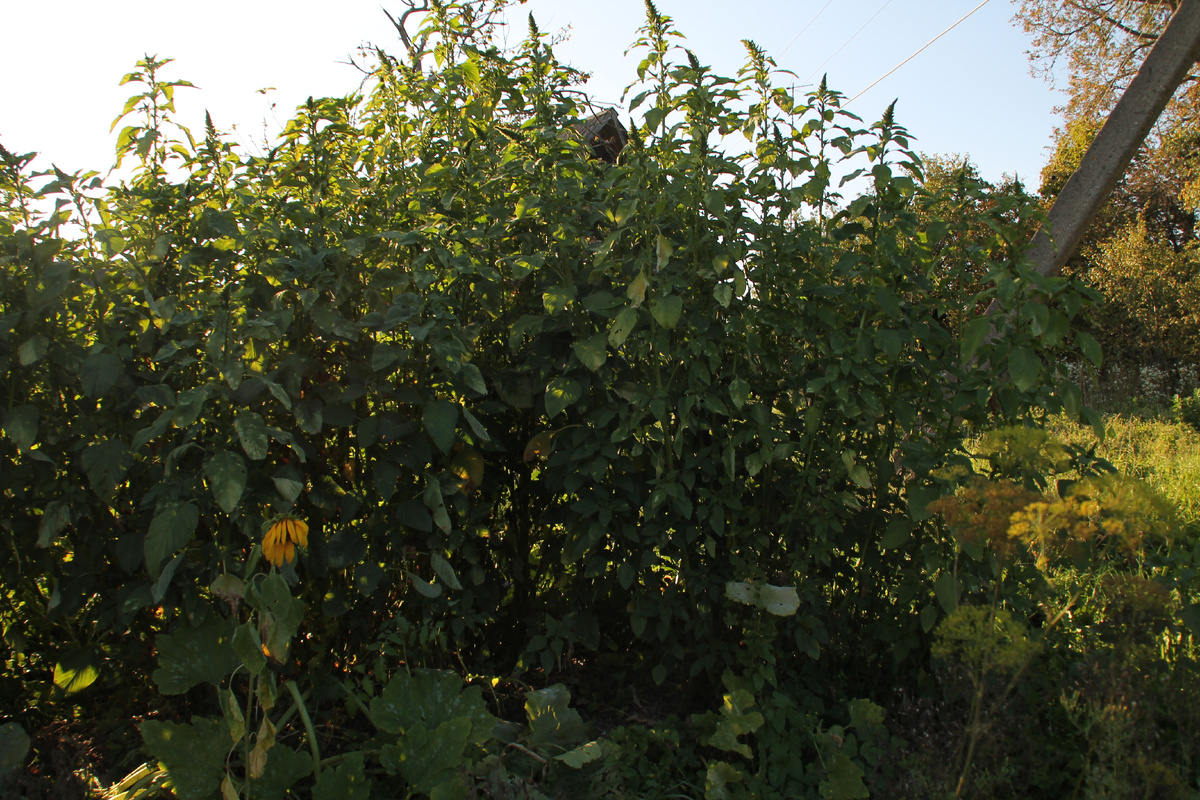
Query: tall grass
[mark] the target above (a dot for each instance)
(1151, 446)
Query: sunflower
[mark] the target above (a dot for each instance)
(279, 544)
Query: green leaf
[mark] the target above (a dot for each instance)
(1089, 347)
(429, 759)
(248, 648)
(193, 755)
(55, 517)
(105, 464)
(471, 375)
(252, 433)
(21, 425)
(552, 721)
(945, 588)
(584, 754)
(1024, 367)
(347, 781)
(1191, 618)
(99, 372)
(430, 698)
(284, 768)
(444, 571)
(440, 418)
(189, 404)
(973, 334)
(189, 656)
(667, 310)
(844, 779)
(558, 299)
(592, 351)
(33, 350)
(662, 252)
(622, 326)
(77, 670)
(718, 779)
(226, 473)
(736, 720)
(896, 534)
(14, 746)
(170, 530)
(424, 587)
(281, 613)
(560, 394)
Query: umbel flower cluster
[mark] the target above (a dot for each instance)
(279, 544)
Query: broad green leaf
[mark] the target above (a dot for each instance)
(444, 571)
(558, 299)
(718, 779)
(1024, 367)
(308, 416)
(284, 768)
(946, 590)
(55, 517)
(782, 601)
(662, 252)
(77, 670)
(1089, 347)
(189, 404)
(896, 533)
(426, 758)
(105, 464)
(248, 648)
(843, 779)
(99, 372)
(475, 425)
(560, 394)
(592, 351)
(723, 294)
(193, 755)
(14, 746)
(551, 719)
(667, 310)
(189, 656)
(430, 698)
(636, 292)
(170, 530)
(440, 419)
(584, 754)
(281, 613)
(32, 350)
(739, 391)
(424, 587)
(226, 474)
(346, 781)
(736, 720)
(622, 326)
(473, 377)
(252, 433)
(973, 334)
(21, 425)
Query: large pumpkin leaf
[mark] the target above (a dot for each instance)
(189, 655)
(193, 755)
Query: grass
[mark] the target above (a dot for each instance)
(1152, 446)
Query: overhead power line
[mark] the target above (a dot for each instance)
(914, 55)
(848, 41)
(806, 27)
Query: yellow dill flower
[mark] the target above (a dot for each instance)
(280, 542)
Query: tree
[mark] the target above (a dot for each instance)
(1152, 208)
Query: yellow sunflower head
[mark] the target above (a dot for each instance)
(279, 544)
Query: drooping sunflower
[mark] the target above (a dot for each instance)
(280, 542)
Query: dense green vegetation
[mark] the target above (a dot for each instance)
(427, 455)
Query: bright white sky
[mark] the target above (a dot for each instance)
(970, 92)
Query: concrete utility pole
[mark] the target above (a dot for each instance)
(1165, 68)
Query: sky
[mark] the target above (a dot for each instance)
(970, 92)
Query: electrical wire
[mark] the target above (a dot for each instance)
(802, 30)
(914, 55)
(848, 41)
